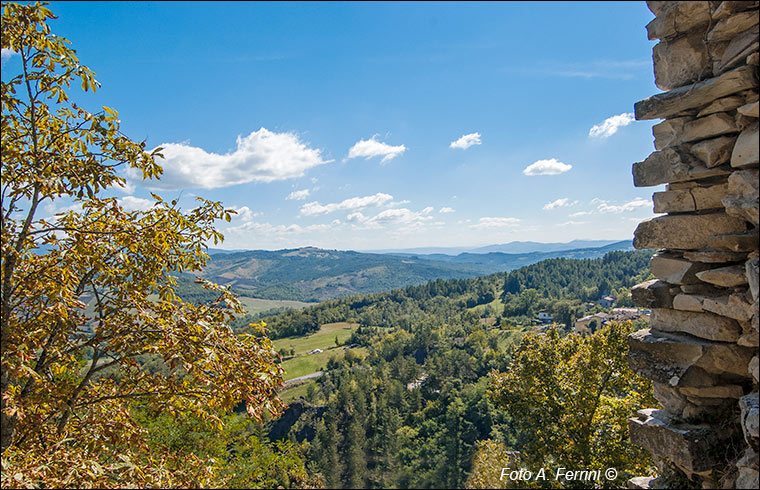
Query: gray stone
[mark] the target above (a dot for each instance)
(652, 294)
(724, 104)
(686, 232)
(708, 127)
(680, 61)
(743, 195)
(730, 276)
(672, 165)
(728, 28)
(745, 151)
(675, 18)
(685, 200)
(702, 289)
(703, 325)
(735, 242)
(714, 256)
(748, 469)
(750, 418)
(700, 94)
(673, 269)
(732, 306)
(680, 359)
(715, 151)
(724, 391)
(688, 302)
(657, 6)
(754, 368)
(747, 478)
(752, 271)
(640, 483)
(750, 109)
(737, 50)
(688, 446)
(668, 132)
(730, 7)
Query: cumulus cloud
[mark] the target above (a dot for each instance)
(559, 203)
(466, 141)
(373, 148)
(551, 166)
(395, 216)
(6, 54)
(446, 210)
(605, 207)
(315, 208)
(298, 195)
(132, 203)
(262, 156)
(611, 125)
(244, 214)
(489, 222)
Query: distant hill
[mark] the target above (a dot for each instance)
(312, 274)
(511, 248)
(528, 247)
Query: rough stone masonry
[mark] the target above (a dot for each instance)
(701, 350)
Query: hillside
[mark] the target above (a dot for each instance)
(408, 405)
(312, 274)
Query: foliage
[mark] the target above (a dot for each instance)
(571, 398)
(70, 374)
(240, 454)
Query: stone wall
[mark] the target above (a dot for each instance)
(701, 350)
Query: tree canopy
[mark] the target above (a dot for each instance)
(89, 290)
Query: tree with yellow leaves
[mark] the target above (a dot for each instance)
(570, 398)
(78, 304)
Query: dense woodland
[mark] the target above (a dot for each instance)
(563, 286)
(367, 428)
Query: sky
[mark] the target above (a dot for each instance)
(370, 126)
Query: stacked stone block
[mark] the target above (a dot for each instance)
(701, 350)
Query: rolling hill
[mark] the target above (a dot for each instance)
(312, 274)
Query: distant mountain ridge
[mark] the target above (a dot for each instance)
(516, 247)
(313, 274)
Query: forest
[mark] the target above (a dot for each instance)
(430, 397)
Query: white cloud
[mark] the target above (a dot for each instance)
(488, 222)
(547, 167)
(611, 125)
(6, 54)
(132, 203)
(395, 216)
(446, 210)
(604, 207)
(315, 208)
(373, 148)
(466, 141)
(244, 214)
(298, 195)
(559, 203)
(573, 223)
(262, 156)
(580, 213)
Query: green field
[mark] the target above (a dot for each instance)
(310, 363)
(289, 394)
(256, 305)
(322, 339)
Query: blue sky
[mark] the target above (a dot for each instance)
(381, 125)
